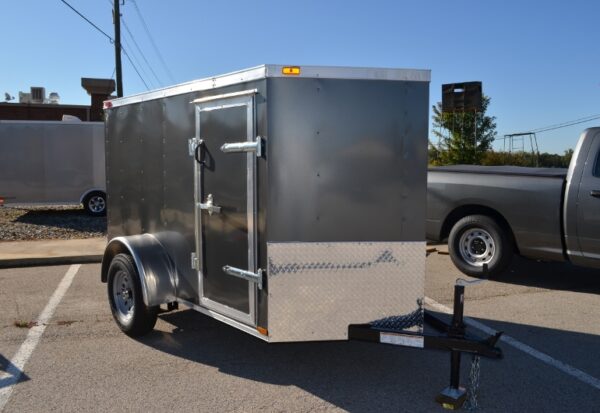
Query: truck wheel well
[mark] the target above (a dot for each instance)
(465, 210)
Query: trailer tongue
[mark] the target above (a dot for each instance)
(285, 201)
(447, 336)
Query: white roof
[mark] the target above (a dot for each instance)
(265, 71)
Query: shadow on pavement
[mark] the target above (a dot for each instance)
(354, 376)
(360, 377)
(551, 275)
(10, 374)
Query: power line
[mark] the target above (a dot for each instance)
(89, 21)
(135, 58)
(109, 38)
(159, 83)
(141, 53)
(109, 88)
(566, 124)
(137, 9)
(557, 125)
(134, 67)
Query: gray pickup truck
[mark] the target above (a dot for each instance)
(488, 213)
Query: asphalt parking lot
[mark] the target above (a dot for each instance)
(80, 361)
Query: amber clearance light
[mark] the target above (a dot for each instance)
(290, 70)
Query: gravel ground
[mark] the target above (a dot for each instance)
(49, 222)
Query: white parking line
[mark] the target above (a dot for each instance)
(17, 364)
(543, 357)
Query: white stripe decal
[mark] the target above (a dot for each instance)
(17, 364)
(543, 357)
(405, 340)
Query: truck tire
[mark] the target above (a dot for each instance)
(95, 203)
(476, 240)
(132, 316)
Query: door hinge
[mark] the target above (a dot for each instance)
(256, 277)
(192, 145)
(195, 263)
(235, 147)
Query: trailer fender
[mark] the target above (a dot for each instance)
(154, 266)
(89, 191)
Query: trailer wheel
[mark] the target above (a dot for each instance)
(476, 240)
(133, 317)
(95, 204)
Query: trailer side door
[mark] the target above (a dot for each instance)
(225, 199)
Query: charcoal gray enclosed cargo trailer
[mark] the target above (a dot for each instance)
(288, 202)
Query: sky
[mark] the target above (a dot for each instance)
(539, 61)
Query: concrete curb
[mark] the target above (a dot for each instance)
(51, 252)
(41, 261)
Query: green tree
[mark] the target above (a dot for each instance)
(543, 160)
(464, 137)
(566, 158)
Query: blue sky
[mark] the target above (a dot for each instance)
(538, 60)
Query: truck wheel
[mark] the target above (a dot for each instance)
(95, 204)
(476, 240)
(133, 317)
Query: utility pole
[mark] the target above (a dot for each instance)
(118, 72)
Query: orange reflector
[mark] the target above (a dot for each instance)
(262, 331)
(291, 70)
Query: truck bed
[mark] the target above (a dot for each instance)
(529, 200)
(504, 170)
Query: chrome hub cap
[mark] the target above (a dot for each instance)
(477, 247)
(97, 203)
(123, 296)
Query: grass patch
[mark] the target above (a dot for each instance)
(24, 324)
(65, 322)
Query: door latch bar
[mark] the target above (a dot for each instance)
(209, 206)
(236, 147)
(256, 277)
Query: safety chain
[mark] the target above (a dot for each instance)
(471, 404)
(402, 322)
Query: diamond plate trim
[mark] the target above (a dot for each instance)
(316, 290)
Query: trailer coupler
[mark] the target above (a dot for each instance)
(452, 337)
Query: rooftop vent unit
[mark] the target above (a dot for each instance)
(24, 97)
(38, 94)
(53, 98)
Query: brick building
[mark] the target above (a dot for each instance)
(98, 89)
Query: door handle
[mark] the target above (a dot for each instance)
(255, 277)
(209, 206)
(236, 147)
(595, 193)
(200, 153)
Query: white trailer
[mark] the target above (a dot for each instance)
(53, 163)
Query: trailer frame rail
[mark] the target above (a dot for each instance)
(447, 336)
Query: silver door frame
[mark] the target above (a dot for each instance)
(230, 100)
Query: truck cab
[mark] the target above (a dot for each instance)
(582, 202)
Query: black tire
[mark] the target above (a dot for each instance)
(94, 203)
(476, 240)
(139, 319)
